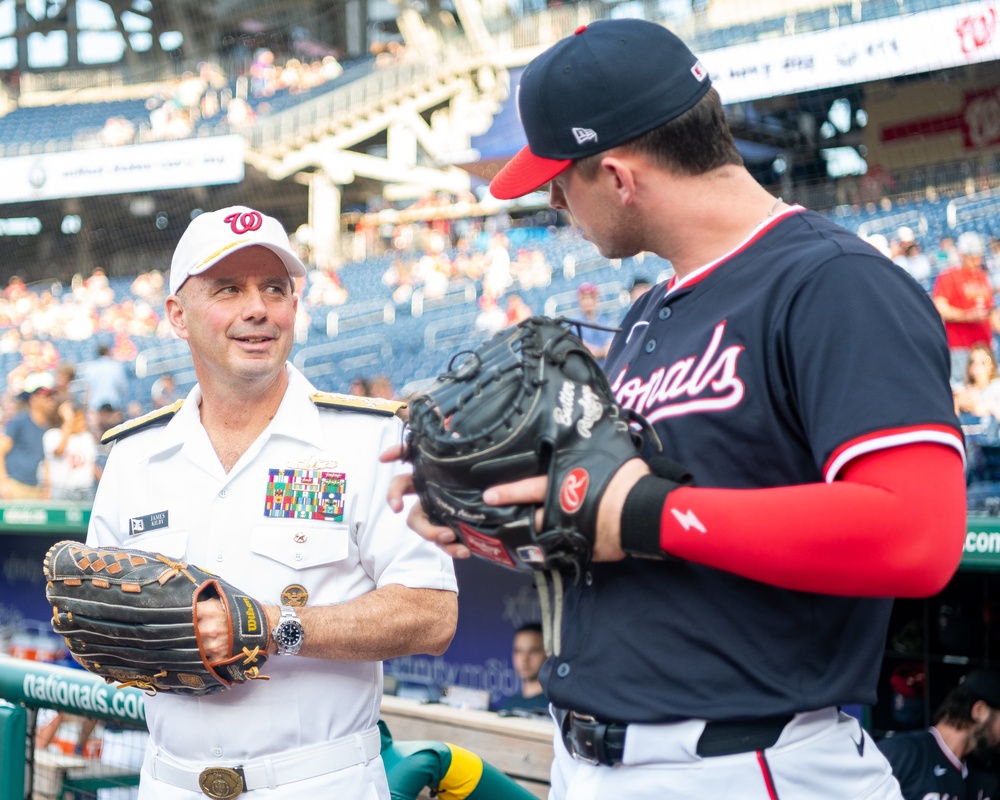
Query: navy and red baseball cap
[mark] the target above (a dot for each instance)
(608, 83)
(983, 684)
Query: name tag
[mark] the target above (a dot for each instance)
(150, 522)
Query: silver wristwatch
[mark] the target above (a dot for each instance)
(289, 634)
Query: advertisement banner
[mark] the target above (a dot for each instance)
(119, 170)
(858, 53)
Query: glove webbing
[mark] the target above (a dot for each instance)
(551, 613)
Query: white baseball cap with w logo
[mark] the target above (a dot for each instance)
(213, 235)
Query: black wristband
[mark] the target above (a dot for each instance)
(640, 520)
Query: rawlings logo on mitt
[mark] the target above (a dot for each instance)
(129, 616)
(529, 401)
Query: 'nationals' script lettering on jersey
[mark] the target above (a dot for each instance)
(691, 385)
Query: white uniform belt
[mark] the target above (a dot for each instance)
(225, 781)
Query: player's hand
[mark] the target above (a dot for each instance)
(607, 544)
(607, 540)
(400, 487)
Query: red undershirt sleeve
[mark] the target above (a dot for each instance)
(893, 525)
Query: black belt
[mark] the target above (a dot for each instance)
(595, 742)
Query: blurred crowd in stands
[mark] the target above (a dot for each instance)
(69, 352)
(389, 53)
(434, 269)
(962, 276)
(86, 308)
(210, 95)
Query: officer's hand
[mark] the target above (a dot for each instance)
(213, 626)
(402, 486)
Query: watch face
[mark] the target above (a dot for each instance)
(288, 634)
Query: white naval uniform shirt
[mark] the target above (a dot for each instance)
(217, 521)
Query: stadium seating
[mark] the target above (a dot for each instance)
(35, 126)
(416, 338)
(284, 98)
(32, 129)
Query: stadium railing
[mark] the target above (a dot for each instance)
(325, 364)
(360, 315)
(29, 688)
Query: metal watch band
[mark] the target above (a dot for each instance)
(288, 633)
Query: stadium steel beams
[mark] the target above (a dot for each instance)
(340, 168)
(470, 14)
(324, 219)
(396, 129)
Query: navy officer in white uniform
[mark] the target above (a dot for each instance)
(277, 488)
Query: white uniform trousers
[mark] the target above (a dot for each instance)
(361, 781)
(820, 755)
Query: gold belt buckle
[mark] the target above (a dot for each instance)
(222, 783)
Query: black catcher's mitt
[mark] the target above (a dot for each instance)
(129, 616)
(529, 401)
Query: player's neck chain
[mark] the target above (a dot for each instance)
(770, 214)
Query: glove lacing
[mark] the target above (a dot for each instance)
(140, 683)
(551, 608)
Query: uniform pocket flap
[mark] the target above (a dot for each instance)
(300, 544)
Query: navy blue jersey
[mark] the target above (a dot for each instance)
(775, 366)
(518, 701)
(982, 782)
(925, 769)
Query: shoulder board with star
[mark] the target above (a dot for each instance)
(160, 416)
(364, 405)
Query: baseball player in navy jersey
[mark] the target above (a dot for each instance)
(802, 379)
(934, 764)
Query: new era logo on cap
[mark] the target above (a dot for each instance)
(583, 135)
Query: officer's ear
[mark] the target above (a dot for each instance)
(174, 308)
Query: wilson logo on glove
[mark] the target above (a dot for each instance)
(574, 490)
(129, 616)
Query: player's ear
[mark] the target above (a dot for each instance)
(620, 170)
(980, 711)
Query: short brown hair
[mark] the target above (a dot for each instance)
(696, 142)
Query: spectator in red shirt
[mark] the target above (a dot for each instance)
(964, 298)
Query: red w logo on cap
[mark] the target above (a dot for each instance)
(245, 222)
